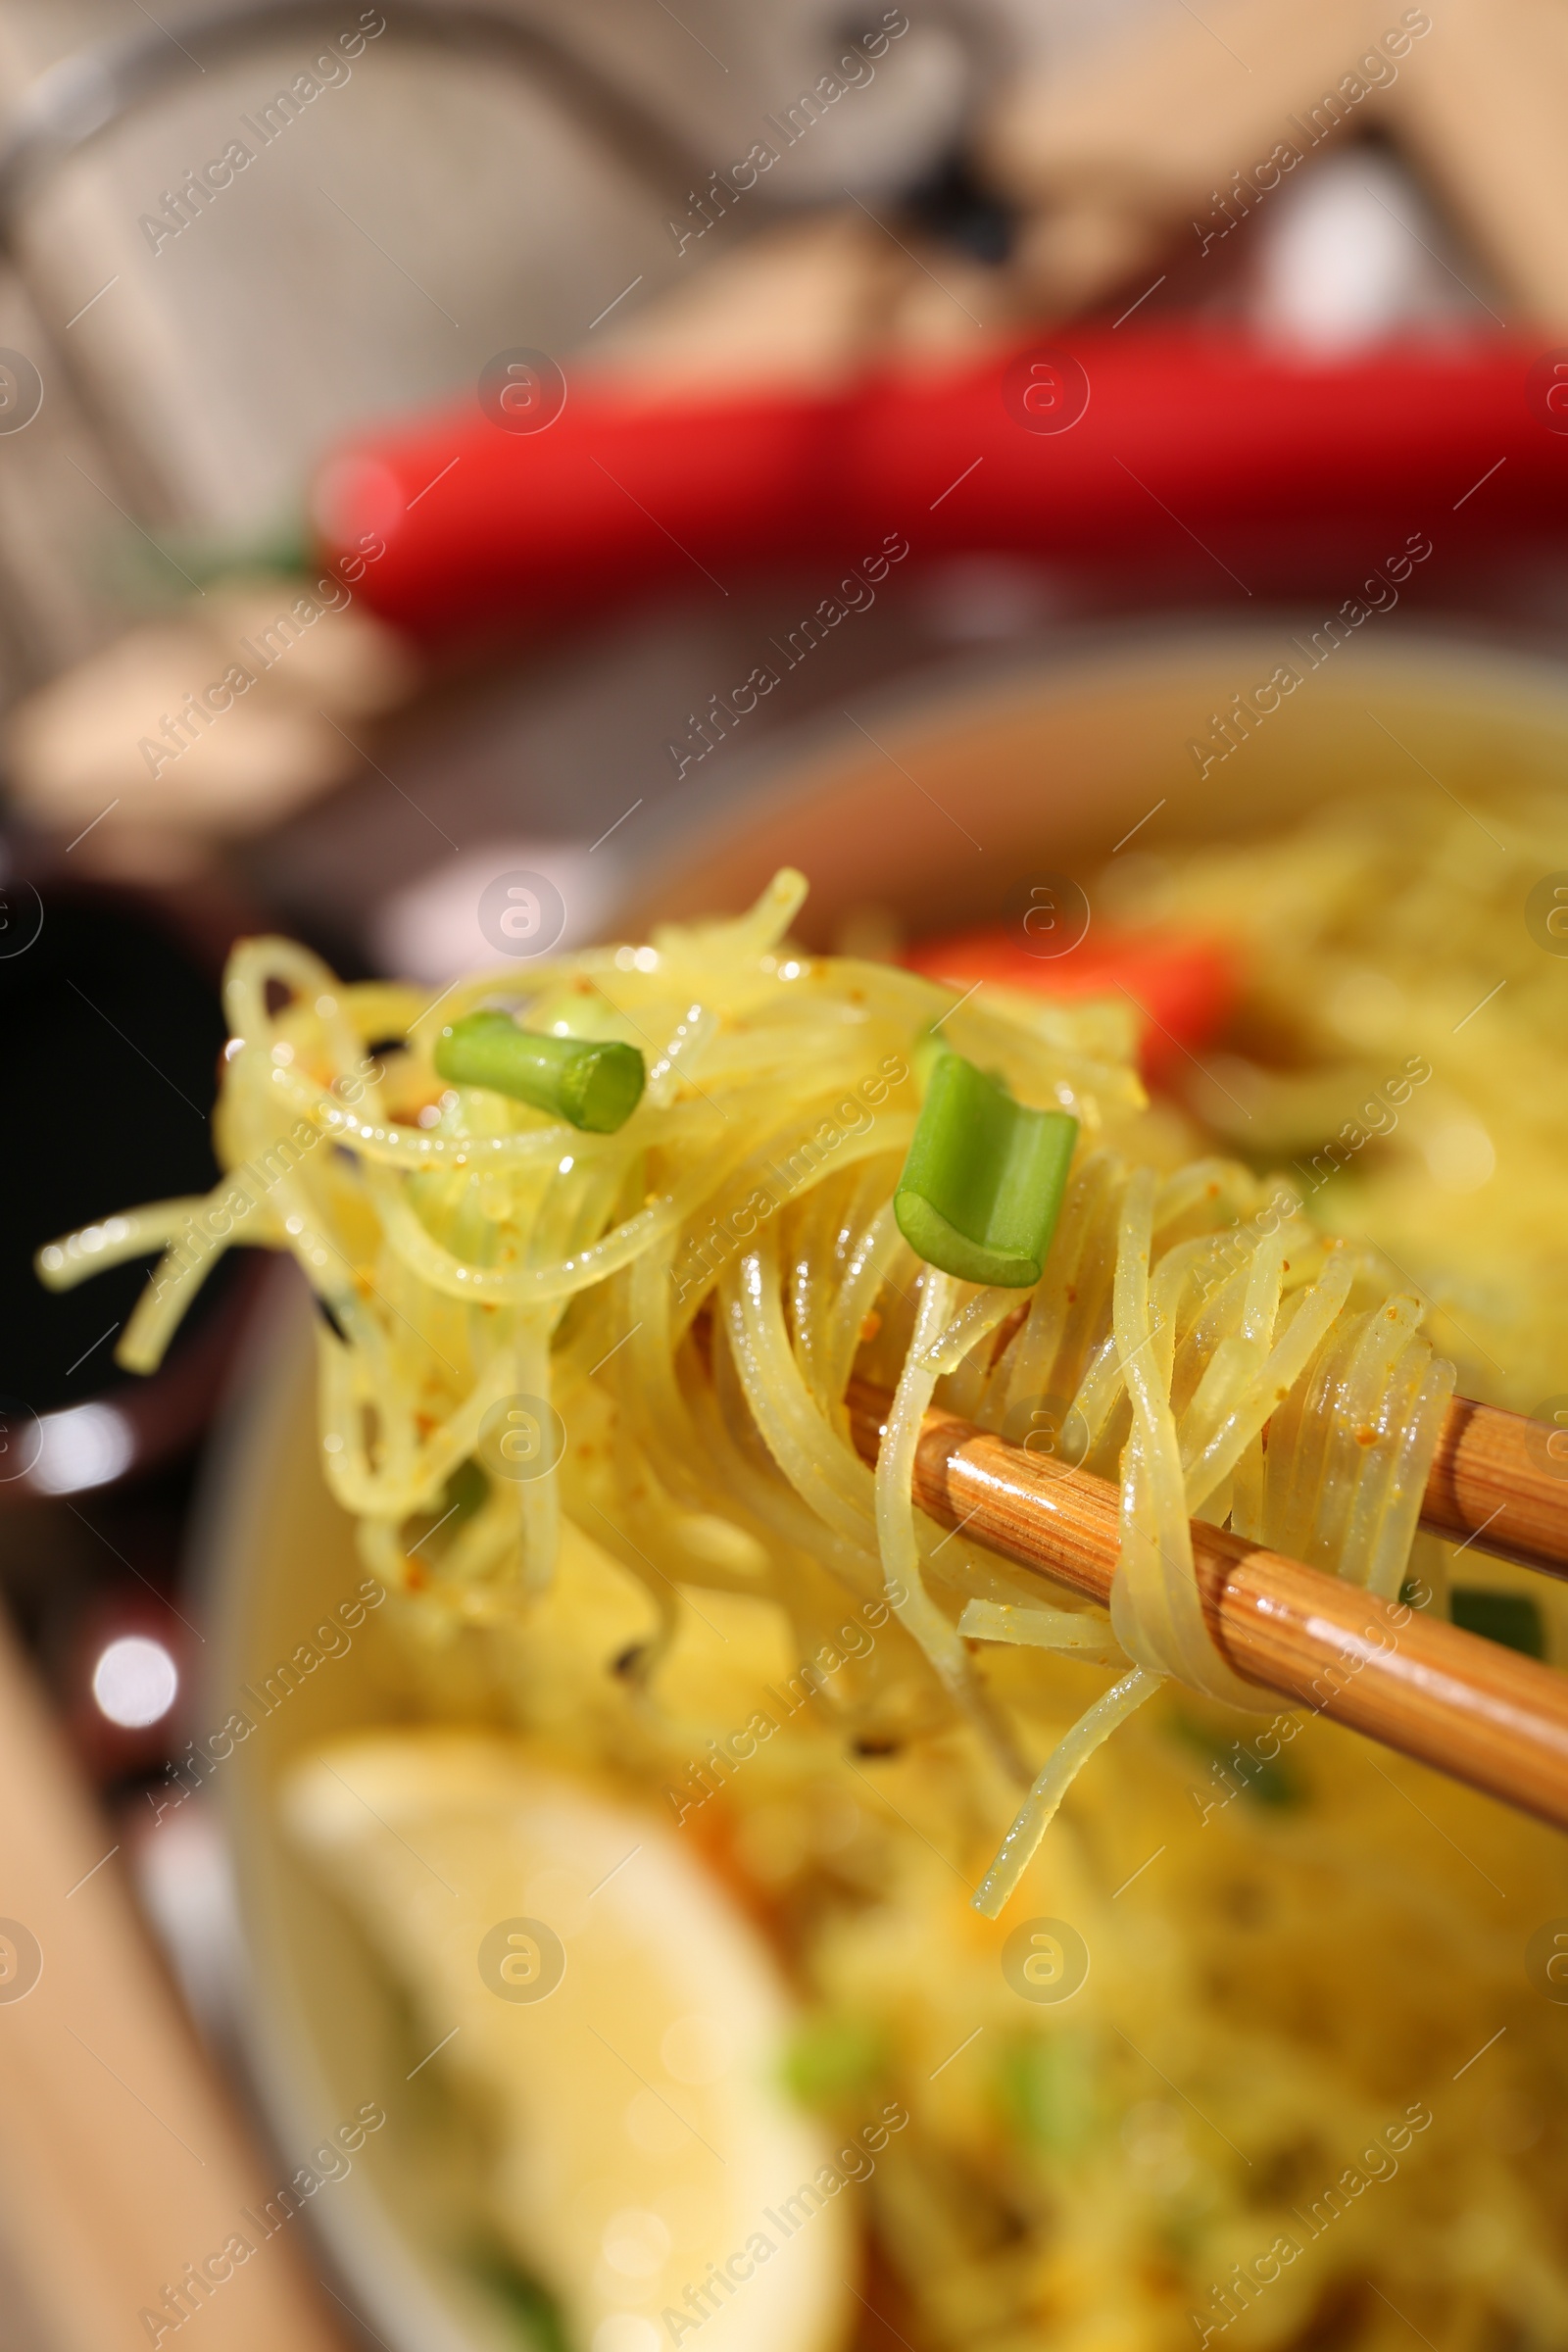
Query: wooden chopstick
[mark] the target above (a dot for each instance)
(1469, 1707)
(1494, 1480)
(1494, 1484)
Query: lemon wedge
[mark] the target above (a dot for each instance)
(618, 2022)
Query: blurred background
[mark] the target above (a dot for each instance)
(447, 439)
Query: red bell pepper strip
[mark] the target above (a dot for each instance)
(1182, 990)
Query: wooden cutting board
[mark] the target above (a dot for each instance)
(124, 2169)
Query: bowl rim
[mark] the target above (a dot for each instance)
(1479, 664)
(1479, 659)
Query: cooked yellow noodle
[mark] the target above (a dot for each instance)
(488, 1253)
(1292, 1976)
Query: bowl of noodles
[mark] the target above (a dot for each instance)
(686, 1891)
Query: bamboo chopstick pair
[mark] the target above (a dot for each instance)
(1470, 1707)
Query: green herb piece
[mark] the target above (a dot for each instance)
(534, 2314)
(595, 1083)
(830, 2058)
(462, 1499)
(1269, 1779)
(927, 1052)
(1265, 1777)
(1511, 1618)
(1047, 2090)
(467, 1490)
(982, 1185)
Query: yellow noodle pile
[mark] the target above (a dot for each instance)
(1309, 2095)
(677, 1310)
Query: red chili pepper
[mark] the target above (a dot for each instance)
(1183, 989)
(1197, 445)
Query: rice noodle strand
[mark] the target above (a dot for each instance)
(680, 1307)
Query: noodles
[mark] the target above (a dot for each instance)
(1061, 1771)
(710, 1601)
(1193, 1351)
(704, 1281)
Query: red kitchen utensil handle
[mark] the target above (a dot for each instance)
(1177, 443)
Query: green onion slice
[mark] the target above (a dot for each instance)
(981, 1189)
(595, 1083)
(1512, 1618)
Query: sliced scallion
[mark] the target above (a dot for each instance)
(595, 1083)
(1511, 1618)
(983, 1182)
